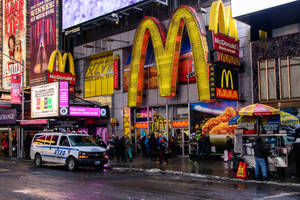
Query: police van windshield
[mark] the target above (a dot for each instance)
(79, 140)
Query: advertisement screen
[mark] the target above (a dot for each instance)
(87, 10)
(14, 40)
(42, 37)
(44, 100)
(240, 8)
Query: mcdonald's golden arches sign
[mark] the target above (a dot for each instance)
(60, 74)
(223, 82)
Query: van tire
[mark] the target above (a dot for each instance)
(71, 164)
(38, 160)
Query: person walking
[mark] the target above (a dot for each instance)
(118, 148)
(123, 148)
(147, 146)
(153, 147)
(163, 148)
(128, 148)
(193, 145)
(260, 154)
(100, 142)
(228, 149)
(201, 147)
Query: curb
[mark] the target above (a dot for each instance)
(201, 176)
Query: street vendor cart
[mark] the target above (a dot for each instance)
(267, 121)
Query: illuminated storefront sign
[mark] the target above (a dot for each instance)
(116, 72)
(141, 125)
(88, 112)
(222, 36)
(167, 54)
(63, 98)
(126, 121)
(99, 78)
(223, 82)
(179, 124)
(157, 123)
(61, 74)
(44, 100)
(14, 40)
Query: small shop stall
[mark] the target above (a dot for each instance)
(268, 122)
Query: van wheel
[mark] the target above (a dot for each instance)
(71, 164)
(38, 160)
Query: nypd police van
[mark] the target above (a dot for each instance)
(72, 150)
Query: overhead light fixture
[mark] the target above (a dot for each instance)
(88, 46)
(116, 40)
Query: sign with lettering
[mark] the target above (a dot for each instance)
(8, 116)
(223, 82)
(44, 100)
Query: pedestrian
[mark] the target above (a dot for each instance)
(147, 146)
(201, 147)
(260, 153)
(123, 148)
(172, 146)
(5, 146)
(14, 146)
(143, 147)
(163, 148)
(153, 147)
(118, 148)
(193, 145)
(128, 148)
(100, 142)
(110, 148)
(228, 149)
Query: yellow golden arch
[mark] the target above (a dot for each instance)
(157, 120)
(61, 62)
(167, 50)
(228, 75)
(220, 20)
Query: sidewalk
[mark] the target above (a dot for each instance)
(210, 167)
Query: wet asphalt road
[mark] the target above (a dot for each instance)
(22, 180)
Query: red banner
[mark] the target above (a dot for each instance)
(116, 74)
(225, 44)
(34, 122)
(15, 89)
(58, 76)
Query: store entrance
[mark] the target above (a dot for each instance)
(181, 136)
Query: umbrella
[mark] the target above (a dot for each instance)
(284, 119)
(258, 110)
(242, 120)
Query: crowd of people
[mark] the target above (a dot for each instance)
(151, 147)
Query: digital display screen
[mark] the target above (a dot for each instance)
(80, 11)
(243, 7)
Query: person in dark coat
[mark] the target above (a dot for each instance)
(260, 153)
(201, 147)
(228, 148)
(153, 147)
(118, 148)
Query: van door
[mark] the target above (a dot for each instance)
(54, 148)
(47, 156)
(63, 149)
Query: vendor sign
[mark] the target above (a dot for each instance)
(8, 116)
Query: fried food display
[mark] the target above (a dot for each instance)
(219, 125)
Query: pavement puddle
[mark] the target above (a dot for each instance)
(22, 191)
(282, 195)
(5, 170)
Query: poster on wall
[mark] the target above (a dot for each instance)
(212, 119)
(14, 40)
(43, 37)
(44, 100)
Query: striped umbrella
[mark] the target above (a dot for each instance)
(258, 110)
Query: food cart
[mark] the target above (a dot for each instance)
(264, 122)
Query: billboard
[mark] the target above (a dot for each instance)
(88, 10)
(42, 37)
(14, 40)
(44, 100)
(240, 8)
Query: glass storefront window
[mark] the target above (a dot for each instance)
(267, 79)
(295, 74)
(284, 83)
